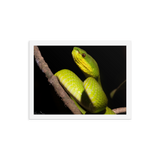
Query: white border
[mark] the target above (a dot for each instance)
(82, 117)
(81, 39)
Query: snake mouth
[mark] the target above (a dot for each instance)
(82, 63)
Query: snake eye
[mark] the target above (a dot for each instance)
(83, 54)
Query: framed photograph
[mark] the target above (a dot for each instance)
(115, 60)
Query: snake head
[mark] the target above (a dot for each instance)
(86, 63)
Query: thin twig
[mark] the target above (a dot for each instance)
(119, 110)
(54, 81)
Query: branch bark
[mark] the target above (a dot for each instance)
(119, 110)
(54, 82)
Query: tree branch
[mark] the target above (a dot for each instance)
(54, 81)
(119, 110)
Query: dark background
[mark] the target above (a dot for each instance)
(112, 64)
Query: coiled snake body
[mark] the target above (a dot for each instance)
(89, 94)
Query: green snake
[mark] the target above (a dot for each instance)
(88, 95)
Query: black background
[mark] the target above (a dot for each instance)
(112, 64)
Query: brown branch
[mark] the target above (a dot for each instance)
(119, 110)
(54, 81)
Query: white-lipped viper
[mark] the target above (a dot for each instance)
(88, 95)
